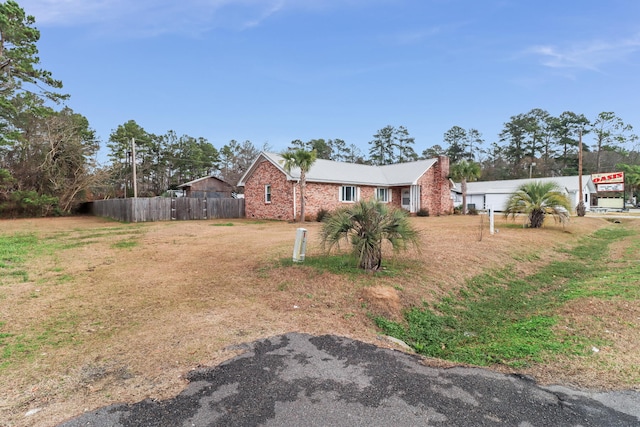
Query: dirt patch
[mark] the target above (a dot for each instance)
(129, 309)
(383, 301)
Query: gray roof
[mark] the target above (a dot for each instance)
(351, 173)
(568, 183)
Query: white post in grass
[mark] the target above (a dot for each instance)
(300, 245)
(491, 221)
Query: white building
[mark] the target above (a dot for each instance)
(494, 194)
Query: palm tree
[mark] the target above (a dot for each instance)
(303, 160)
(464, 172)
(538, 199)
(366, 225)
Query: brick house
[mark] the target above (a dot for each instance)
(272, 193)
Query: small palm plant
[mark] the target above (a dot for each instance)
(538, 199)
(303, 160)
(465, 172)
(366, 225)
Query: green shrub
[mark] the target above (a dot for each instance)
(423, 212)
(30, 204)
(322, 214)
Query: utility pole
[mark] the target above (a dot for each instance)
(580, 165)
(581, 209)
(133, 165)
(126, 178)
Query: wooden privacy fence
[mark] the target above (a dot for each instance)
(168, 209)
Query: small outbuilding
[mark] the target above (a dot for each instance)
(208, 187)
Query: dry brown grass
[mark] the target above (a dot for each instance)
(139, 318)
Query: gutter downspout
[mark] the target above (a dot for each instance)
(295, 198)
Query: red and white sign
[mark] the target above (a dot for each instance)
(610, 187)
(607, 178)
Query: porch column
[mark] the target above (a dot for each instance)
(414, 199)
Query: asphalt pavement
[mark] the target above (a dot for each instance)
(303, 380)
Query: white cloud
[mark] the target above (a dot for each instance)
(591, 56)
(275, 7)
(72, 12)
(151, 17)
(416, 36)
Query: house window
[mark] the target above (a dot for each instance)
(383, 195)
(267, 193)
(348, 193)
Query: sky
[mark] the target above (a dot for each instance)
(272, 71)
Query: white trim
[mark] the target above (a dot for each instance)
(415, 198)
(295, 204)
(355, 193)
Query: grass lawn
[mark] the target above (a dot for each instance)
(94, 312)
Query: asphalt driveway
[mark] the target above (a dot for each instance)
(302, 380)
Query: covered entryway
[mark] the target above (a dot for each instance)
(411, 198)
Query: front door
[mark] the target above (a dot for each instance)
(406, 198)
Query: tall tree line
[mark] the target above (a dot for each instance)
(330, 149)
(165, 161)
(541, 144)
(47, 154)
(392, 145)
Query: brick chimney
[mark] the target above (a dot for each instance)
(443, 166)
(443, 192)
